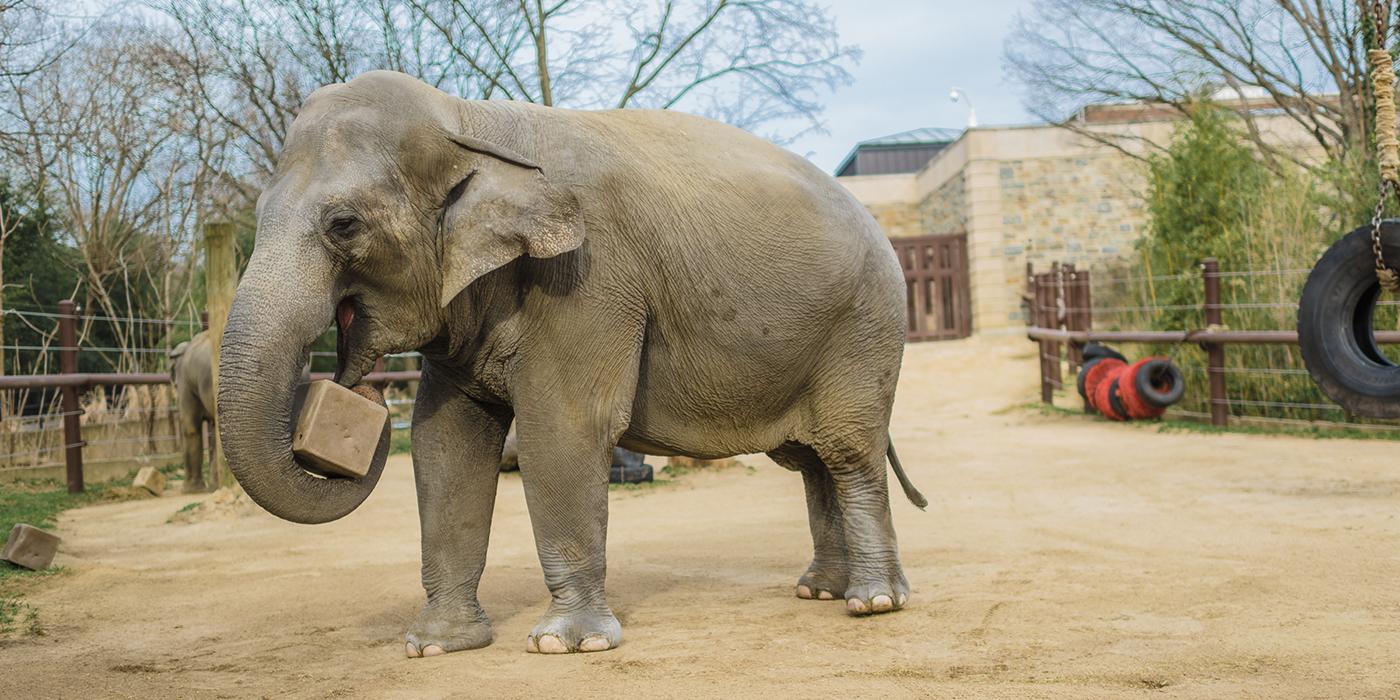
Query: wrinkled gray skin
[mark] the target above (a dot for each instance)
(192, 372)
(644, 278)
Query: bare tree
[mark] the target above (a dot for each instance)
(752, 63)
(1307, 57)
(97, 132)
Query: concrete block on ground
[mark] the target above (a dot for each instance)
(30, 547)
(151, 479)
(338, 430)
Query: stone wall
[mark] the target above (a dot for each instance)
(1084, 210)
(945, 209)
(896, 219)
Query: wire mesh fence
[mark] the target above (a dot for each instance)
(122, 404)
(1256, 375)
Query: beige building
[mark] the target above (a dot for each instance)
(1020, 194)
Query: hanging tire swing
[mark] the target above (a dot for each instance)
(1336, 333)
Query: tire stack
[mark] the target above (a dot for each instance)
(1122, 391)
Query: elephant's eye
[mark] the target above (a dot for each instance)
(455, 193)
(342, 226)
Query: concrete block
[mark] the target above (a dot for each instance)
(30, 547)
(338, 430)
(151, 479)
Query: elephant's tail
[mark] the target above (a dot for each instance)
(909, 491)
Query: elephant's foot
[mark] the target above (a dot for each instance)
(442, 629)
(193, 487)
(561, 632)
(877, 592)
(823, 581)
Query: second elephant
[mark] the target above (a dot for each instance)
(192, 372)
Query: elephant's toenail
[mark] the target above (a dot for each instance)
(411, 650)
(531, 646)
(433, 650)
(903, 598)
(824, 595)
(594, 644)
(857, 606)
(550, 644)
(882, 603)
(803, 591)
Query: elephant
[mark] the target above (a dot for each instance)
(192, 375)
(642, 278)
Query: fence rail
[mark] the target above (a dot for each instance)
(71, 382)
(1061, 319)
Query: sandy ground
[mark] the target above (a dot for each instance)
(1059, 558)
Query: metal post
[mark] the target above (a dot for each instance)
(68, 364)
(1215, 352)
(220, 280)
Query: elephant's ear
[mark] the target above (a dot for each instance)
(504, 208)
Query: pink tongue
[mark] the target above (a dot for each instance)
(345, 314)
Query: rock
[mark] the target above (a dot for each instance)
(30, 547)
(339, 429)
(151, 479)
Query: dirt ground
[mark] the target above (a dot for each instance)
(1059, 557)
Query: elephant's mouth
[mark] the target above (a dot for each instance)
(352, 360)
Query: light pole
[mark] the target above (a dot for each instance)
(960, 95)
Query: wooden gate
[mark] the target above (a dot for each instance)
(936, 286)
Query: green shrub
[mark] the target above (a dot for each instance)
(1211, 195)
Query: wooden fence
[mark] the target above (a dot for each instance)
(72, 384)
(1061, 323)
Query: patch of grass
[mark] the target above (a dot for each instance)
(675, 471)
(1320, 430)
(38, 502)
(19, 617)
(400, 442)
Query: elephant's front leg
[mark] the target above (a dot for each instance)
(456, 460)
(565, 471)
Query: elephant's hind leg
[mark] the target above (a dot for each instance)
(876, 581)
(827, 576)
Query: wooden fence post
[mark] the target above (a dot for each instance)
(1074, 350)
(68, 364)
(1215, 352)
(220, 281)
(1040, 292)
(1054, 295)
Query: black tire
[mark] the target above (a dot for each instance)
(1335, 332)
(1095, 351)
(1084, 372)
(1160, 372)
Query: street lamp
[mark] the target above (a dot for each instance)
(960, 95)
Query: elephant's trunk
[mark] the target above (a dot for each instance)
(272, 324)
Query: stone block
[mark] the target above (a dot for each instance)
(338, 430)
(151, 479)
(30, 547)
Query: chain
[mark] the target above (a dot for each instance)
(1383, 79)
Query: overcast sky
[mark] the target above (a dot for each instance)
(915, 51)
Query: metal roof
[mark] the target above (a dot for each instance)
(927, 136)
